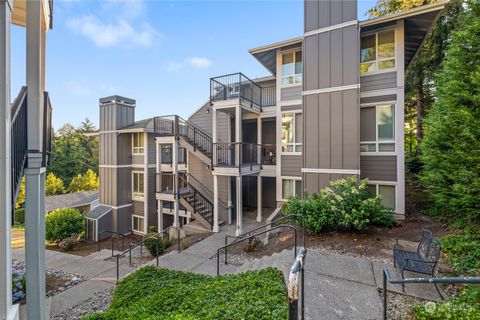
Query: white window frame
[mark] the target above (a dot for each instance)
(294, 179)
(294, 144)
(385, 183)
(294, 84)
(378, 142)
(140, 224)
(377, 59)
(136, 149)
(138, 195)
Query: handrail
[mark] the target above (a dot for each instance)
(198, 196)
(292, 288)
(47, 130)
(113, 233)
(140, 244)
(388, 278)
(208, 192)
(268, 227)
(256, 235)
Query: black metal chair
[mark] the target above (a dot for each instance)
(423, 260)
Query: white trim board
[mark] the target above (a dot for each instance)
(331, 89)
(330, 28)
(334, 171)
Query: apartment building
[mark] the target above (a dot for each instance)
(331, 106)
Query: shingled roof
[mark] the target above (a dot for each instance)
(70, 200)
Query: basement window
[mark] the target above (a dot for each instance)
(138, 224)
(386, 191)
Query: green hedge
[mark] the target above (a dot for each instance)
(63, 223)
(153, 293)
(345, 205)
(20, 216)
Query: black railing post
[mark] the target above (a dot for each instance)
(130, 255)
(118, 267)
(113, 242)
(251, 157)
(178, 239)
(384, 295)
(157, 254)
(225, 250)
(194, 139)
(218, 262)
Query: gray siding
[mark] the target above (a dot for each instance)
(380, 81)
(124, 148)
(122, 220)
(138, 208)
(204, 120)
(291, 165)
(152, 202)
(368, 124)
(291, 108)
(138, 159)
(152, 153)
(381, 168)
(105, 224)
(114, 116)
(389, 97)
(115, 186)
(320, 14)
(291, 93)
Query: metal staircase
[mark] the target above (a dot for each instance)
(196, 202)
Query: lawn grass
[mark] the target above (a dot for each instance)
(155, 293)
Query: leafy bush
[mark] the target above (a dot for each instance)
(69, 243)
(466, 307)
(153, 293)
(63, 223)
(20, 216)
(155, 243)
(346, 205)
(18, 285)
(463, 251)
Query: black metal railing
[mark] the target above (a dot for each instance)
(165, 182)
(114, 236)
(236, 154)
(267, 227)
(163, 233)
(199, 202)
(298, 268)
(18, 142)
(47, 130)
(176, 126)
(269, 154)
(236, 86)
(387, 278)
(281, 226)
(166, 153)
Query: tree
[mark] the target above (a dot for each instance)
(53, 185)
(86, 182)
(451, 147)
(21, 195)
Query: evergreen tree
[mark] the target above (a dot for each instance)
(53, 185)
(451, 148)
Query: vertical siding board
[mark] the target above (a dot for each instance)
(323, 14)
(336, 54)
(337, 130)
(311, 16)
(311, 62)
(351, 130)
(350, 55)
(349, 10)
(311, 128)
(323, 60)
(336, 14)
(323, 137)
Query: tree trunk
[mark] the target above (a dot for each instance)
(420, 108)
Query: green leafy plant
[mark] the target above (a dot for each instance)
(153, 293)
(345, 205)
(20, 216)
(463, 251)
(155, 243)
(63, 223)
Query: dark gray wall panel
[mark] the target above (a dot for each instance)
(324, 130)
(292, 108)
(152, 152)
(105, 224)
(310, 62)
(351, 130)
(311, 15)
(350, 55)
(138, 208)
(389, 97)
(336, 120)
(367, 124)
(336, 63)
(124, 148)
(152, 202)
(310, 136)
(291, 93)
(379, 81)
(122, 220)
(381, 168)
(324, 60)
(269, 196)
(268, 131)
(291, 165)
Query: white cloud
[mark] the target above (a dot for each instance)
(195, 62)
(198, 62)
(112, 34)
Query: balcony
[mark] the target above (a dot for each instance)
(166, 153)
(234, 158)
(236, 86)
(164, 182)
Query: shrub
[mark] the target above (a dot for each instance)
(463, 251)
(18, 285)
(345, 205)
(63, 223)
(153, 293)
(154, 243)
(69, 243)
(20, 216)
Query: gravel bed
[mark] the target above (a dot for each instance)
(100, 301)
(399, 305)
(56, 280)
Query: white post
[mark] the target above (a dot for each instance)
(146, 191)
(176, 205)
(239, 205)
(238, 134)
(160, 215)
(35, 173)
(259, 177)
(7, 311)
(215, 204)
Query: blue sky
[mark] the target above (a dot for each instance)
(161, 53)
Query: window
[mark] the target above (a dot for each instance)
(387, 192)
(138, 191)
(138, 143)
(292, 68)
(291, 188)
(292, 132)
(138, 224)
(377, 51)
(377, 129)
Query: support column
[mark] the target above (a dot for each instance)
(215, 204)
(259, 177)
(239, 205)
(176, 205)
(238, 134)
(7, 311)
(160, 215)
(34, 173)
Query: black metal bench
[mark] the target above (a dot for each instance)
(423, 261)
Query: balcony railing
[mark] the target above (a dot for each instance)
(236, 154)
(236, 86)
(165, 182)
(47, 130)
(269, 154)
